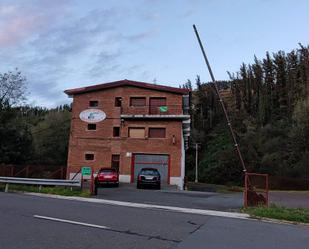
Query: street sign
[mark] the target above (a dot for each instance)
(86, 171)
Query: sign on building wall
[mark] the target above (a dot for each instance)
(163, 108)
(92, 115)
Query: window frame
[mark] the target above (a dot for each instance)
(89, 153)
(119, 131)
(89, 124)
(157, 128)
(138, 97)
(137, 128)
(93, 101)
(154, 108)
(118, 101)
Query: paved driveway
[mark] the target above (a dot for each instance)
(169, 196)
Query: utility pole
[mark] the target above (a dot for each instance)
(196, 162)
(221, 102)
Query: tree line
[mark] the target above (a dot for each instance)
(30, 135)
(268, 102)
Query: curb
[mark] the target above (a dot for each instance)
(147, 206)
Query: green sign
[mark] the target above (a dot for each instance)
(86, 171)
(163, 108)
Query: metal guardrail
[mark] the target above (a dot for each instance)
(39, 182)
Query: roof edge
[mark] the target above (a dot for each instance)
(126, 82)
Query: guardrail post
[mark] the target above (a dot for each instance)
(6, 188)
(40, 188)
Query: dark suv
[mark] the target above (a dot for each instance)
(149, 177)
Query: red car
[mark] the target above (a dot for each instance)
(106, 176)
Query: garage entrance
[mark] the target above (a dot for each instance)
(159, 162)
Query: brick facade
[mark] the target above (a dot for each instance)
(103, 144)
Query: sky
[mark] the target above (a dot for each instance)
(63, 44)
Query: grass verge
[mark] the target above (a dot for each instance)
(279, 213)
(50, 190)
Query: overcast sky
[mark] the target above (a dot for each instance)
(61, 44)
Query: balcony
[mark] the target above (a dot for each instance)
(155, 112)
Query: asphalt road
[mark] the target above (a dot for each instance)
(194, 199)
(132, 228)
(172, 197)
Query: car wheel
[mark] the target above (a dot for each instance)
(159, 186)
(117, 184)
(138, 186)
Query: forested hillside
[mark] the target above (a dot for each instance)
(268, 102)
(34, 135)
(30, 135)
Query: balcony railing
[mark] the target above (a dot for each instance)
(153, 110)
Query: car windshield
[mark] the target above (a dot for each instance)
(108, 171)
(149, 172)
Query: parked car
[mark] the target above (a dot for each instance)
(149, 177)
(106, 176)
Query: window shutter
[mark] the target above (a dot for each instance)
(138, 101)
(137, 132)
(156, 132)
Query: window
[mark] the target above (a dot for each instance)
(115, 162)
(89, 156)
(138, 101)
(156, 104)
(93, 103)
(116, 132)
(156, 133)
(91, 127)
(118, 101)
(137, 132)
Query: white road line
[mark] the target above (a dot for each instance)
(70, 222)
(148, 206)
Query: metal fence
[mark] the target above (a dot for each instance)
(33, 171)
(38, 182)
(256, 190)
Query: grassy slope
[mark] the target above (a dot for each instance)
(280, 213)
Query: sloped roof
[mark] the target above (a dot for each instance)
(126, 83)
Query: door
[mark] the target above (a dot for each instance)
(159, 162)
(155, 103)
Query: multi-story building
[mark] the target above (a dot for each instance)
(130, 125)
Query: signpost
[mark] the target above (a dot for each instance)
(86, 171)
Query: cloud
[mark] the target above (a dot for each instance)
(19, 21)
(57, 48)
